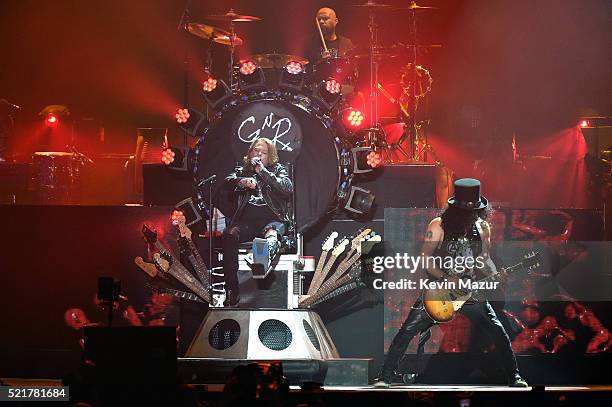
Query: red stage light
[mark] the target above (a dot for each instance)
(167, 156)
(182, 115)
(374, 159)
(294, 67)
(247, 67)
(209, 84)
(176, 216)
(332, 86)
(584, 123)
(51, 120)
(353, 118)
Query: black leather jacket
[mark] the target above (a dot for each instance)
(276, 189)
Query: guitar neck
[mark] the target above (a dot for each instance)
(338, 291)
(323, 274)
(178, 271)
(335, 280)
(182, 274)
(317, 273)
(196, 261)
(179, 294)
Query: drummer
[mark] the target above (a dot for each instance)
(337, 45)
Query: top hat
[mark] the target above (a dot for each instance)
(467, 195)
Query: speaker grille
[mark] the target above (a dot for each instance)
(224, 334)
(311, 335)
(274, 334)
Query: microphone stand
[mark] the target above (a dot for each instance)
(211, 210)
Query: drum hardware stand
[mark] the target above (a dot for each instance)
(412, 129)
(185, 17)
(375, 135)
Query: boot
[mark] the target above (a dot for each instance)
(518, 381)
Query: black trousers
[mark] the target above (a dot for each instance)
(231, 239)
(480, 314)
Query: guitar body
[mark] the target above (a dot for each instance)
(440, 306)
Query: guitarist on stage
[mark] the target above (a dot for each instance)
(460, 229)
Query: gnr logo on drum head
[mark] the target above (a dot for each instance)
(270, 119)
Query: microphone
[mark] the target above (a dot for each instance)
(6, 102)
(255, 161)
(205, 181)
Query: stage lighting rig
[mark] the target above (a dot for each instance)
(177, 158)
(251, 76)
(328, 93)
(292, 76)
(360, 201)
(191, 121)
(54, 114)
(215, 92)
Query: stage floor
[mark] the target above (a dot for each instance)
(351, 389)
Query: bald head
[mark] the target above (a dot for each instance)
(327, 19)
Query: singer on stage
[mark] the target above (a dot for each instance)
(260, 191)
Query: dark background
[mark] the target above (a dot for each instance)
(527, 67)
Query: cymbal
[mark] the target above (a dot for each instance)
(372, 5)
(416, 8)
(232, 16)
(378, 55)
(208, 32)
(274, 60)
(408, 46)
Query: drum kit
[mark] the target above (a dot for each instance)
(302, 105)
(412, 85)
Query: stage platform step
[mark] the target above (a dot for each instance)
(348, 372)
(332, 372)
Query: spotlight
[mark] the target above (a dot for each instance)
(360, 201)
(209, 85)
(328, 93)
(53, 115)
(364, 159)
(177, 158)
(191, 121)
(292, 77)
(584, 123)
(51, 120)
(294, 67)
(251, 76)
(182, 116)
(247, 67)
(332, 86)
(374, 159)
(216, 93)
(167, 156)
(353, 118)
(176, 216)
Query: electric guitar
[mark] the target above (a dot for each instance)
(328, 244)
(336, 252)
(187, 246)
(443, 304)
(348, 282)
(336, 280)
(167, 263)
(323, 275)
(176, 293)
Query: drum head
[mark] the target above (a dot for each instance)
(304, 143)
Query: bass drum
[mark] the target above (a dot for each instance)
(306, 144)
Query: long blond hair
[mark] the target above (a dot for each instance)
(272, 153)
